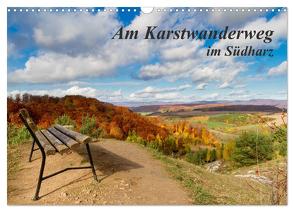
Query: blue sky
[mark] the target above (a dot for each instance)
(62, 53)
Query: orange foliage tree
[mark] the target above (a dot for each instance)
(116, 121)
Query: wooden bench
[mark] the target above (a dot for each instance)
(55, 139)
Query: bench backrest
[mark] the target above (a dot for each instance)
(27, 120)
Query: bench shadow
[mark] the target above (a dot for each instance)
(105, 162)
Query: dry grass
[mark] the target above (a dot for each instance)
(214, 188)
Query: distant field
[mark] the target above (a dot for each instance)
(145, 113)
(225, 121)
(189, 114)
(227, 126)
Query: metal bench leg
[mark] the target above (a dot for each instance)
(32, 150)
(91, 162)
(36, 197)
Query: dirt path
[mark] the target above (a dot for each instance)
(129, 176)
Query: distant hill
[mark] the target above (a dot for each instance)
(243, 108)
(116, 121)
(271, 102)
(185, 107)
(174, 107)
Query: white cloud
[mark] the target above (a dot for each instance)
(167, 69)
(69, 52)
(238, 92)
(55, 67)
(198, 68)
(240, 86)
(150, 91)
(50, 67)
(211, 97)
(11, 51)
(172, 94)
(278, 24)
(115, 83)
(279, 70)
(147, 95)
(168, 96)
(74, 32)
(225, 85)
(233, 18)
(74, 90)
(195, 65)
(59, 38)
(179, 49)
(201, 86)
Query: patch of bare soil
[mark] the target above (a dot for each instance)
(129, 175)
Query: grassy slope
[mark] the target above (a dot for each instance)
(212, 188)
(266, 168)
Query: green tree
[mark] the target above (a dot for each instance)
(89, 127)
(65, 120)
(280, 137)
(252, 147)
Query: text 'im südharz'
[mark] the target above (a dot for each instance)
(155, 33)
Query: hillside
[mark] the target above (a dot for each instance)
(114, 120)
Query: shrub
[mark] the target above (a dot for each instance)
(65, 120)
(219, 151)
(17, 135)
(89, 127)
(213, 155)
(210, 155)
(154, 144)
(169, 145)
(283, 149)
(228, 150)
(280, 136)
(133, 137)
(187, 148)
(250, 146)
(184, 150)
(198, 157)
(98, 133)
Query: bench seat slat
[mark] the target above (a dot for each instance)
(65, 139)
(48, 148)
(59, 146)
(83, 139)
